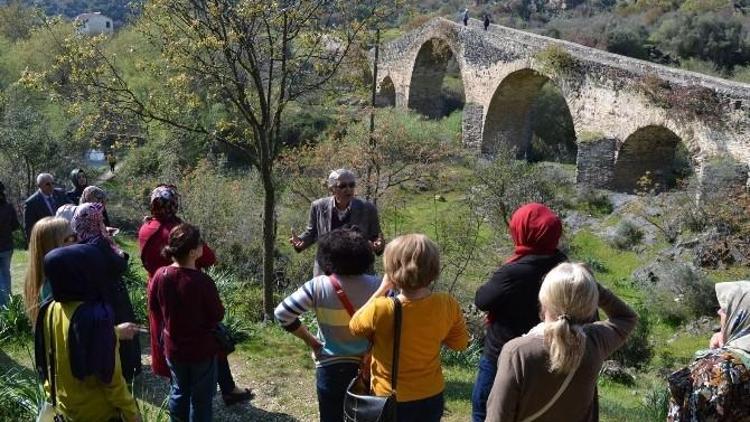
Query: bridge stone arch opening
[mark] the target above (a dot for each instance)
(436, 88)
(529, 114)
(654, 151)
(386, 96)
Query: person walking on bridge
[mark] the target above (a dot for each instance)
(466, 17)
(486, 21)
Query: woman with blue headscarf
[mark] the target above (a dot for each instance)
(88, 224)
(77, 343)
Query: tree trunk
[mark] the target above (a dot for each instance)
(269, 238)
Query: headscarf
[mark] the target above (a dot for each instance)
(93, 194)
(66, 211)
(74, 179)
(164, 202)
(535, 230)
(88, 223)
(734, 299)
(74, 274)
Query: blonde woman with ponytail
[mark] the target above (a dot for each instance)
(48, 233)
(550, 373)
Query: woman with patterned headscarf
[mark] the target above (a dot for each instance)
(153, 236)
(715, 386)
(88, 224)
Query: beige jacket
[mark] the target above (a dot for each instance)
(524, 385)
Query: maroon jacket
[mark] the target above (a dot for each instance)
(186, 304)
(153, 236)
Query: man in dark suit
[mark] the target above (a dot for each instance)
(340, 209)
(43, 203)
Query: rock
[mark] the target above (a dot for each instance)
(614, 371)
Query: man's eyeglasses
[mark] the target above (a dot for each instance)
(346, 185)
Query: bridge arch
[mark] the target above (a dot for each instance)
(386, 96)
(433, 62)
(654, 150)
(530, 114)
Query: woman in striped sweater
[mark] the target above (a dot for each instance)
(344, 255)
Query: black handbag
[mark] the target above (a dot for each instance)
(359, 404)
(224, 338)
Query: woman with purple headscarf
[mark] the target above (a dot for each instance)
(88, 224)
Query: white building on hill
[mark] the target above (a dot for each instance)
(93, 24)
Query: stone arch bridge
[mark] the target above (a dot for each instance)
(629, 115)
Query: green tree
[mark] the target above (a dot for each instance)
(708, 36)
(239, 62)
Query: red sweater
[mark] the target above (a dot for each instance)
(186, 304)
(153, 236)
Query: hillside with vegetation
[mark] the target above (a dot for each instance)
(145, 98)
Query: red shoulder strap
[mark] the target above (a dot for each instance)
(341, 294)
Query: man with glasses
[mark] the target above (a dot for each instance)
(44, 202)
(340, 209)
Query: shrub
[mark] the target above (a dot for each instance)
(21, 395)
(14, 324)
(135, 281)
(626, 236)
(594, 202)
(637, 350)
(655, 404)
(228, 208)
(468, 358)
(555, 59)
(242, 300)
(676, 292)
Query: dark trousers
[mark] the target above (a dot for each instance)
(424, 410)
(482, 387)
(331, 382)
(224, 375)
(192, 391)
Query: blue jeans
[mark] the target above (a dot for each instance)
(192, 392)
(5, 276)
(482, 387)
(424, 410)
(331, 382)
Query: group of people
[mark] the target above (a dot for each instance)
(543, 346)
(87, 347)
(465, 19)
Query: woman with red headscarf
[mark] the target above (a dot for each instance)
(510, 296)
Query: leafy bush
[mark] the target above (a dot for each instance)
(135, 281)
(655, 404)
(637, 350)
(14, 324)
(227, 208)
(626, 236)
(21, 395)
(628, 41)
(555, 59)
(506, 183)
(242, 300)
(676, 292)
(594, 202)
(468, 358)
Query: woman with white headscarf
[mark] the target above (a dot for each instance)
(716, 386)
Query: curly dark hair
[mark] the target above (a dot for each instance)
(344, 251)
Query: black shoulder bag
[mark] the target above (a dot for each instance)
(359, 405)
